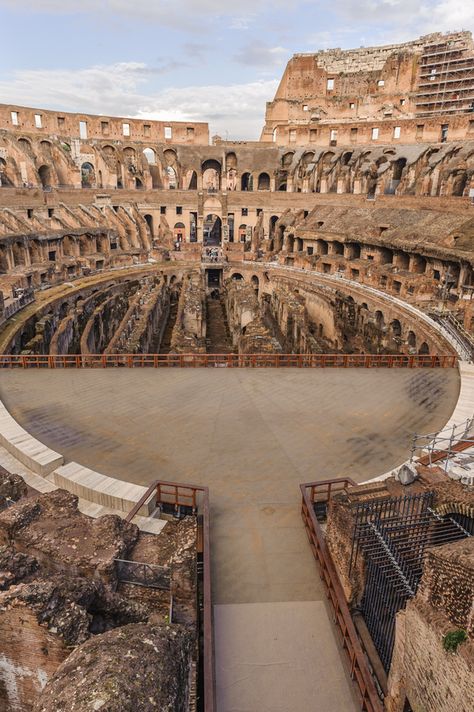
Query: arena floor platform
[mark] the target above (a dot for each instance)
(252, 436)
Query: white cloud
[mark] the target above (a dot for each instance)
(257, 54)
(185, 14)
(424, 17)
(236, 110)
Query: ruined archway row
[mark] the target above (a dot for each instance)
(53, 163)
(312, 317)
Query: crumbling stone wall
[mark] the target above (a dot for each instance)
(137, 667)
(59, 591)
(50, 528)
(142, 327)
(189, 332)
(422, 671)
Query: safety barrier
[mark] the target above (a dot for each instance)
(319, 494)
(197, 360)
(192, 499)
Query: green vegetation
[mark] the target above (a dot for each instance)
(453, 639)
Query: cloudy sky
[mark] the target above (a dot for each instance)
(202, 60)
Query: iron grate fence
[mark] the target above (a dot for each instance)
(140, 574)
(392, 535)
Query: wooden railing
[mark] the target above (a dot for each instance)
(227, 361)
(319, 493)
(194, 499)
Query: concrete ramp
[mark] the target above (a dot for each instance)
(279, 657)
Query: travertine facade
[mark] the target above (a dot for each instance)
(420, 91)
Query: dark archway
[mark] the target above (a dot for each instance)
(44, 173)
(87, 175)
(193, 181)
(149, 222)
(263, 181)
(212, 230)
(211, 176)
(247, 182)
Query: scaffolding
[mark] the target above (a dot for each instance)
(393, 535)
(446, 79)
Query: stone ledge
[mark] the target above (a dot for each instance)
(100, 489)
(29, 451)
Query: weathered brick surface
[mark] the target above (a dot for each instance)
(432, 679)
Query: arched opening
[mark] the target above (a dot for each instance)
(459, 184)
(411, 340)
(379, 319)
(150, 156)
(346, 158)
(282, 187)
(138, 184)
(397, 169)
(4, 179)
(193, 181)
(100, 180)
(247, 181)
(25, 146)
(237, 276)
(273, 222)
(211, 176)
(231, 160)
(395, 329)
(263, 181)
(424, 349)
(3, 260)
(242, 233)
(149, 222)
(44, 173)
(255, 282)
(291, 243)
(172, 178)
(87, 175)
(212, 230)
(179, 232)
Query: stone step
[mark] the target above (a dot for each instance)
(25, 448)
(101, 489)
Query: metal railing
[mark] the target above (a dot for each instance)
(192, 499)
(141, 574)
(11, 309)
(443, 445)
(197, 360)
(448, 321)
(393, 535)
(314, 495)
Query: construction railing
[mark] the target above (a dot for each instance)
(316, 495)
(431, 448)
(180, 499)
(197, 360)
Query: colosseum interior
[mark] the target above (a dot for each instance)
(246, 317)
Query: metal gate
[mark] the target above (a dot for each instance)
(392, 536)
